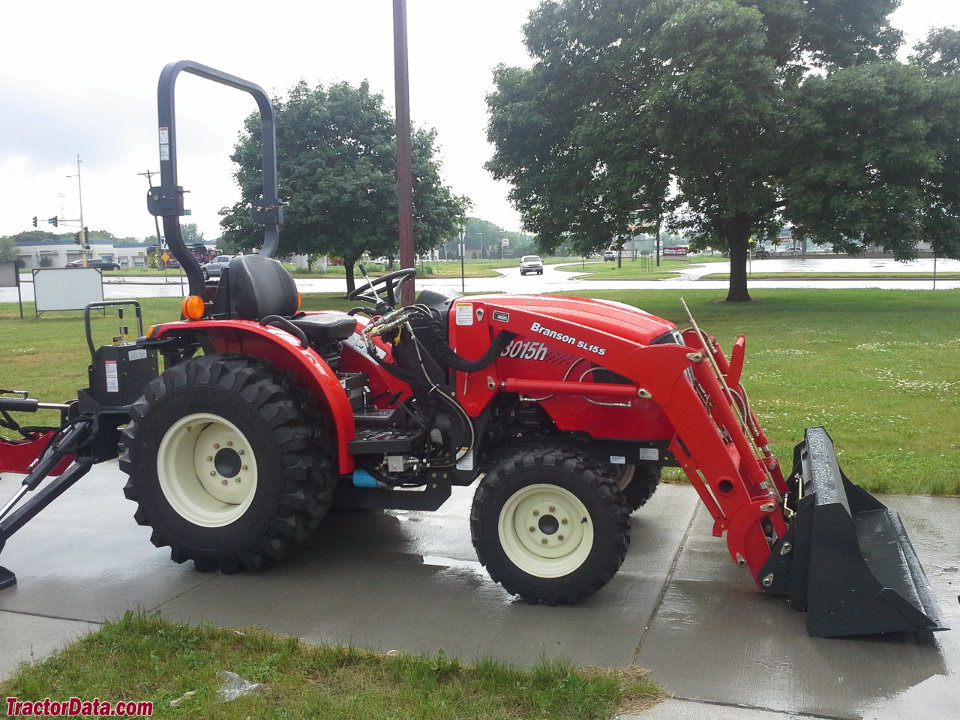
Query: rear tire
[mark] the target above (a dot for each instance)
(225, 463)
(637, 483)
(548, 526)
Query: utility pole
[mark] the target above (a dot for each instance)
(149, 176)
(404, 151)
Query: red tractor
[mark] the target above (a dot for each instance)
(561, 410)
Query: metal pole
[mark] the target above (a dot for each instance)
(82, 235)
(404, 171)
(658, 242)
(463, 252)
(156, 221)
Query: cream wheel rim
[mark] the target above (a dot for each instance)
(207, 470)
(545, 530)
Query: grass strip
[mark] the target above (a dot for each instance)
(175, 666)
(839, 276)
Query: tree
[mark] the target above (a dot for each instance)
(732, 116)
(8, 249)
(336, 150)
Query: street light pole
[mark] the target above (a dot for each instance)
(83, 238)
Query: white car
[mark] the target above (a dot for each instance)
(531, 264)
(215, 266)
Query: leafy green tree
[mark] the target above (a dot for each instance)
(8, 249)
(336, 150)
(732, 116)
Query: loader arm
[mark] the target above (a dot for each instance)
(737, 485)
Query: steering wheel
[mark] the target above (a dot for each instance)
(393, 281)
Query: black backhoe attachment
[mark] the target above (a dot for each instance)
(89, 426)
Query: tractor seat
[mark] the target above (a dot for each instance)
(260, 286)
(326, 327)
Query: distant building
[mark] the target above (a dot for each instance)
(56, 254)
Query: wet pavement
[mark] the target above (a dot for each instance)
(410, 581)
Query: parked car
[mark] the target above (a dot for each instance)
(531, 264)
(215, 266)
(95, 263)
(609, 255)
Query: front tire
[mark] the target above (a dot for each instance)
(225, 463)
(548, 526)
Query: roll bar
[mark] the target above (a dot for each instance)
(166, 201)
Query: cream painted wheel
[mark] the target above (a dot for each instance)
(226, 462)
(549, 526)
(545, 531)
(207, 470)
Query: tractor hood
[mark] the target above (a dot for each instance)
(605, 316)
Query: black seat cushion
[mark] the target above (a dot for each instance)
(326, 327)
(260, 286)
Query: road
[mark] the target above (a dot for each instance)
(554, 280)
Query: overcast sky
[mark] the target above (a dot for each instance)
(80, 77)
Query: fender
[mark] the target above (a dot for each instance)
(282, 349)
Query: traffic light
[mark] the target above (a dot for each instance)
(76, 238)
(86, 238)
(53, 221)
(34, 220)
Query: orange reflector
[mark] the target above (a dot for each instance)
(299, 300)
(151, 330)
(193, 307)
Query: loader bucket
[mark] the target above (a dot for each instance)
(846, 558)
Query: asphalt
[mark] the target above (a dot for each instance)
(410, 581)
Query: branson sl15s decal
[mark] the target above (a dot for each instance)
(569, 339)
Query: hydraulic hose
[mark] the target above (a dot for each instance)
(449, 356)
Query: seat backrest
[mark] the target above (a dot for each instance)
(260, 286)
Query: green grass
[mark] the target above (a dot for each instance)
(175, 667)
(640, 269)
(877, 368)
(839, 276)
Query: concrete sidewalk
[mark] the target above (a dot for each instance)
(410, 581)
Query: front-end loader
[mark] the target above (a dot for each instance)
(562, 411)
